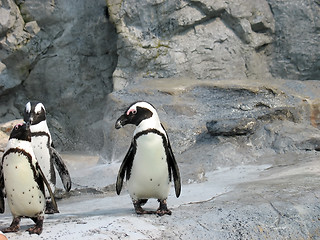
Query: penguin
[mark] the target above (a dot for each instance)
(149, 163)
(22, 182)
(47, 156)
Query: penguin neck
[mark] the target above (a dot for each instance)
(151, 123)
(21, 144)
(40, 127)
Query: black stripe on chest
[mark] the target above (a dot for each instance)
(29, 157)
(155, 131)
(41, 134)
(164, 143)
(151, 130)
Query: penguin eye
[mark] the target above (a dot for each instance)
(16, 127)
(131, 111)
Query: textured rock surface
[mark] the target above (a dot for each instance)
(203, 39)
(254, 117)
(296, 39)
(71, 55)
(63, 54)
(269, 201)
(281, 204)
(216, 39)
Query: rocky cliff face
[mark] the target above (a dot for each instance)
(218, 62)
(296, 39)
(203, 39)
(62, 54)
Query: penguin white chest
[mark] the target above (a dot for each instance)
(23, 193)
(42, 153)
(149, 174)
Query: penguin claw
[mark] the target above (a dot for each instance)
(139, 210)
(14, 227)
(35, 230)
(142, 211)
(163, 209)
(162, 212)
(11, 229)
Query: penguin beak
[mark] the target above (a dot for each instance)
(123, 120)
(28, 126)
(28, 122)
(28, 119)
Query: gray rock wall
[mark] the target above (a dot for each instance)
(62, 53)
(202, 39)
(72, 54)
(296, 45)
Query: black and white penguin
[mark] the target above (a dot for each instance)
(22, 181)
(43, 148)
(149, 163)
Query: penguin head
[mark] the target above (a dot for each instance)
(34, 113)
(21, 132)
(137, 113)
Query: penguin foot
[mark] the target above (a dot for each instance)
(50, 209)
(14, 227)
(11, 229)
(163, 212)
(37, 228)
(139, 210)
(142, 211)
(163, 209)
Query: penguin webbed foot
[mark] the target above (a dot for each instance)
(163, 208)
(50, 209)
(14, 227)
(37, 228)
(142, 211)
(139, 210)
(163, 212)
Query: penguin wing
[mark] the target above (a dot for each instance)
(45, 181)
(1, 191)
(173, 166)
(62, 169)
(125, 167)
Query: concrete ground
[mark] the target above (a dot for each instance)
(270, 201)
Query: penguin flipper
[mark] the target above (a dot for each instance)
(125, 167)
(43, 178)
(62, 169)
(175, 170)
(1, 192)
(173, 166)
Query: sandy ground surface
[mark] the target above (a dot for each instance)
(245, 202)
